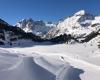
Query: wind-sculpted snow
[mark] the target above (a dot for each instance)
(19, 67)
(69, 74)
(62, 69)
(84, 58)
(23, 68)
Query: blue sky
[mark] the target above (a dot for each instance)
(47, 10)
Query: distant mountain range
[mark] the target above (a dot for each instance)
(80, 27)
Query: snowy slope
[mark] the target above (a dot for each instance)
(22, 68)
(61, 61)
(51, 62)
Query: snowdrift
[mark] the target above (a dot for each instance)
(19, 67)
(22, 68)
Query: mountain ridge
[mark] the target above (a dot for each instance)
(77, 27)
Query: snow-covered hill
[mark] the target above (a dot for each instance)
(51, 62)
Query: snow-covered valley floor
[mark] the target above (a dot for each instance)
(50, 62)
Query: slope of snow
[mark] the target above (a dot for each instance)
(34, 67)
(87, 51)
(51, 62)
(22, 68)
(63, 61)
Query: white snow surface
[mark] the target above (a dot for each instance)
(44, 61)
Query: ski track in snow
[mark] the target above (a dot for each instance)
(73, 59)
(20, 61)
(60, 73)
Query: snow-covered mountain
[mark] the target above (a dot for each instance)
(78, 25)
(39, 28)
(12, 34)
(26, 58)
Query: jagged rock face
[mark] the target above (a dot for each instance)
(38, 28)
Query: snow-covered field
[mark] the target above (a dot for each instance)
(50, 62)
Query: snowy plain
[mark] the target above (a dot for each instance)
(44, 61)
